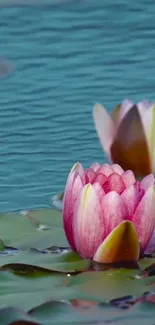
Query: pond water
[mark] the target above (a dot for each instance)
(64, 59)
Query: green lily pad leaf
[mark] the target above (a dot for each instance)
(14, 316)
(53, 249)
(48, 217)
(33, 260)
(57, 312)
(62, 313)
(28, 292)
(107, 285)
(46, 301)
(8, 250)
(20, 231)
(50, 308)
(1, 245)
(147, 265)
(53, 285)
(14, 227)
(51, 313)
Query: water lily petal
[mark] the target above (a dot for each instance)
(67, 211)
(121, 110)
(95, 166)
(99, 190)
(151, 245)
(91, 174)
(105, 127)
(88, 223)
(144, 217)
(130, 149)
(144, 104)
(114, 183)
(101, 179)
(78, 168)
(114, 210)
(152, 141)
(131, 199)
(115, 114)
(125, 107)
(85, 179)
(73, 187)
(128, 178)
(105, 169)
(122, 244)
(147, 182)
(117, 169)
(147, 114)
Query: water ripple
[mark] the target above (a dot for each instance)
(66, 58)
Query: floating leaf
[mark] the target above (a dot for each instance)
(14, 316)
(34, 260)
(147, 265)
(19, 231)
(53, 285)
(29, 291)
(8, 250)
(1, 246)
(107, 285)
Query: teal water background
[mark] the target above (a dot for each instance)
(66, 57)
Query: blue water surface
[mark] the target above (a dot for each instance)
(66, 57)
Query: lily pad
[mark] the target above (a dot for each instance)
(107, 285)
(147, 263)
(33, 260)
(63, 313)
(28, 292)
(15, 316)
(53, 285)
(22, 230)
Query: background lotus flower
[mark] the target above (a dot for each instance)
(128, 137)
(108, 215)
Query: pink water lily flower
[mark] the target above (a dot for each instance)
(128, 136)
(108, 216)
